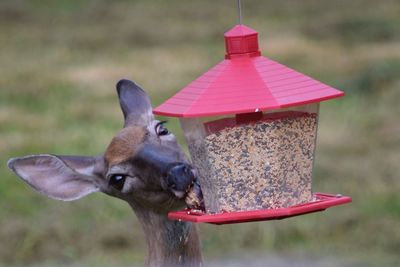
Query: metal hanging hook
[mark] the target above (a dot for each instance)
(239, 7)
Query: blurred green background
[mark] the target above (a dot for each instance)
(60, 61)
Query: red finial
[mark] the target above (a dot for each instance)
(241, 41)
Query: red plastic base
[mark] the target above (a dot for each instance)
(322, 201)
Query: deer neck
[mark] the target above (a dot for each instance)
(170, 243)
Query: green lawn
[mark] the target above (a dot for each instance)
(60, 61)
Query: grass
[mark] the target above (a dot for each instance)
(60, 61)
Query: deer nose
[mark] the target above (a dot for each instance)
(179, 178)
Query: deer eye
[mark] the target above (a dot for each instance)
(160, 129)
(117, 181)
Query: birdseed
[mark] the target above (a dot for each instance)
(258, 165)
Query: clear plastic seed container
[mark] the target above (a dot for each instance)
(253, 161)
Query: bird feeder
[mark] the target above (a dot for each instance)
(251, 127)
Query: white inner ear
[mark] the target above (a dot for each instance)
(50, 176)
(88, 170)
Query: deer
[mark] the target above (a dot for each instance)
(143, 165)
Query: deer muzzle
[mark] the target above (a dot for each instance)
(182, 181)
(177, 176)
(180, 178)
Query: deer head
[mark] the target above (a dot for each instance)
(142, 165)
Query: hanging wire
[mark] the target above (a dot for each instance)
(239, 7)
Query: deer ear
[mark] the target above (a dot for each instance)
(68, 179)
(135, 103)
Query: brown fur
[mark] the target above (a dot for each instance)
(125, 144)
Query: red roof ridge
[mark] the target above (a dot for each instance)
(240, 30)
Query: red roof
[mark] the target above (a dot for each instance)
(245, 82)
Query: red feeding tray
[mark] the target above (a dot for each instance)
(322, 201)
